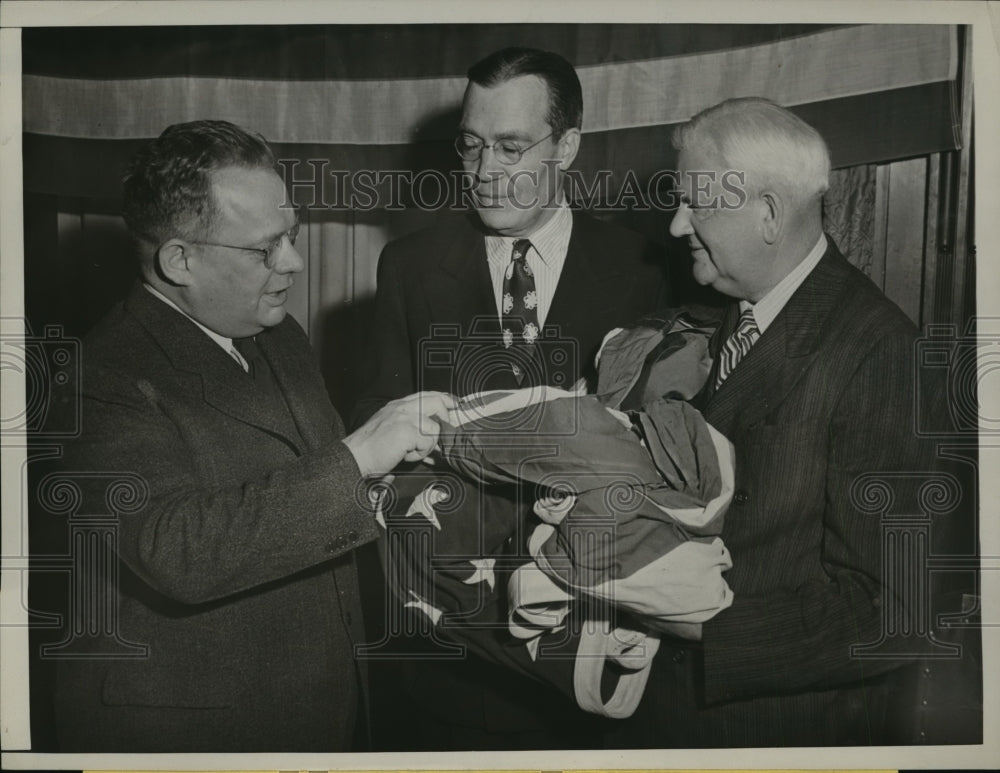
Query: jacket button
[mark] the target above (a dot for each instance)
(741, 497)
(679, 656)
(352, 536)
(330, 547)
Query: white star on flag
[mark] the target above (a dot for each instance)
(423, 504)
(432, 612)
(483, 573)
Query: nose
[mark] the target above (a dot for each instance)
(681, 223)
(488, 169)
(289, 260)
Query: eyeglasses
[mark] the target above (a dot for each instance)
(268, 254)
(470, 148)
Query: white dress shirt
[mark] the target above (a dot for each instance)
(768, 307)
(545, 258)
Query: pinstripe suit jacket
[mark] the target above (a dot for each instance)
(237, 573)
(825, 395)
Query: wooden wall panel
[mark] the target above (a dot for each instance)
(931, 238)
(904, 255)
(882, 180)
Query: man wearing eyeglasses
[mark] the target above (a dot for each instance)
(236, 595)
(518, 293)
(519, 134)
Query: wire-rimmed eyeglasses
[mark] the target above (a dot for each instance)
(268, 254)
(470, 148)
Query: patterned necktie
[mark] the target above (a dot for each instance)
(519, 308)
(737, 345)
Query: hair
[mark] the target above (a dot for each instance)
(772, 145)
(167, 188)
(565, 92)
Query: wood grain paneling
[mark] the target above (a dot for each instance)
(904, 255)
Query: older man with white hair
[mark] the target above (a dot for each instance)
(813, 380)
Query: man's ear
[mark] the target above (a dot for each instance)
(569, 146)
(772, 214)
(172, 262)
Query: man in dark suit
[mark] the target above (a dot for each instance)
(813, 381)
(442, 312)
(519, 134)
(237, 586)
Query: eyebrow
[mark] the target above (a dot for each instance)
(274, 237)
(507, 135)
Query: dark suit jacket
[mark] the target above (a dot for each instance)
(436, 326)
(826, 395)
(237, 573)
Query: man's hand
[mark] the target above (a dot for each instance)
(403, 430)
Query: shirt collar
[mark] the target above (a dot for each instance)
(768, 307)
(225, 343)
(554, 231)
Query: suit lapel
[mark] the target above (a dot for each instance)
(764, 378)
(463, 299)
(583, 280)
(466, 290)
(224, 386)
(305, 396)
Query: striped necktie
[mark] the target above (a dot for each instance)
(519, 318)
(737, 345)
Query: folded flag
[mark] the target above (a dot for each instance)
(565, 524)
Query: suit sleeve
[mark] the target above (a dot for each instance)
(797, 638)
(196, 540)
(389, 369)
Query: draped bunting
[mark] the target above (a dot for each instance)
(388, 97)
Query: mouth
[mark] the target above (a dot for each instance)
(488, 200)
(277, 297)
